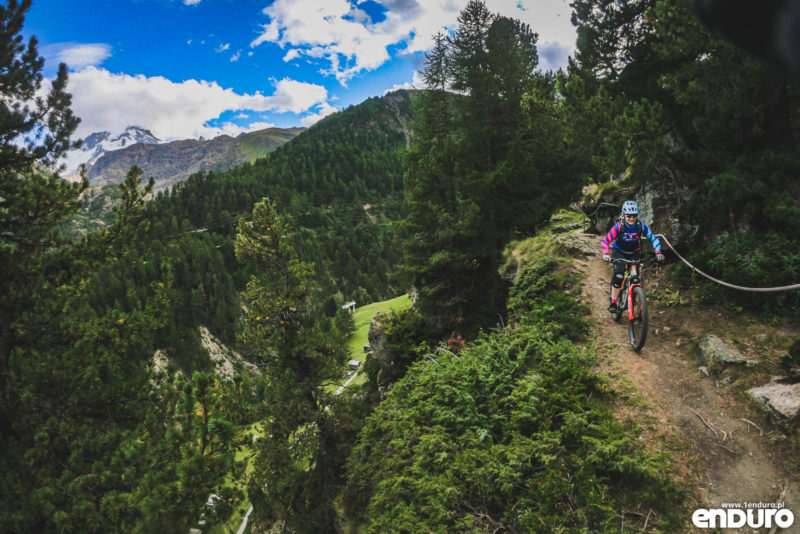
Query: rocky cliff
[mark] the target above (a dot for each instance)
(662, 208)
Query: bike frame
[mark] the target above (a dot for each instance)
(632, 280)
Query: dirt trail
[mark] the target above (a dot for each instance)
(719, 458)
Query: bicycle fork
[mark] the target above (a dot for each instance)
(630, 300)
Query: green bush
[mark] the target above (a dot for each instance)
(406, 339)
(502, 435)
(512, 434)
(751, 259)
(545, 294)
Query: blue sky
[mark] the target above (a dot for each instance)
(191, 68)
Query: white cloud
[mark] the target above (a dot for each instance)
(294, 96)
(290, 55)
(343, 35)
(171, 110)
(416, 83)
(223, 47)
(329, 29)
(191, 2)
(235, 57)
(234, 130)
(325, 109)
(76, 55)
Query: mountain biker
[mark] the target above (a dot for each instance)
(625, 238)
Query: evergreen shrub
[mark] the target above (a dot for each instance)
(751, 259)
(406, 339)
(545, 294)
(511, 435)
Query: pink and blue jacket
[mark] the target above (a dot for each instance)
(627, 239)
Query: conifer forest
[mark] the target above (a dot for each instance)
(489, 415)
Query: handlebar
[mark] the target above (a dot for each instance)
(642, 260)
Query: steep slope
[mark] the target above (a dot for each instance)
(339, 185)
(510, 431)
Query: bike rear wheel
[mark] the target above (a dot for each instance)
(637, 327)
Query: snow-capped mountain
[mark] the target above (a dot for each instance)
(99, 143)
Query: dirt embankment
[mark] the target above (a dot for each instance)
(724, 449)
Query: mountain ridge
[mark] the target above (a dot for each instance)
(97, 144)
(108, 157)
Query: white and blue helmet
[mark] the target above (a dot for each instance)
(630, 208)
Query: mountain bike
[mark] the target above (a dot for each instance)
(635, 302)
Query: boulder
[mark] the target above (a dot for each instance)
(567, 228)
(662, 204)
(780, 400)
(580, 244)
(715, 351)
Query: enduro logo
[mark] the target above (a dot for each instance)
(737, 515)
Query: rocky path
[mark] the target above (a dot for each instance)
(719, 457)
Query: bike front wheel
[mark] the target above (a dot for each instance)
(637, 327)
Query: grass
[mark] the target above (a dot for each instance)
(260, 143)
(362, 318)
(527, 251)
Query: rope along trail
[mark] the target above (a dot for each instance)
(726, 284)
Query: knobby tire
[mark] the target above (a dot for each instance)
(637, 328)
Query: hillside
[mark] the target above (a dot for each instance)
(339, 184)
(171, 163)
(479, 439)
(723, 446)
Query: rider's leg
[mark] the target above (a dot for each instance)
(615, 291)
(617, 278)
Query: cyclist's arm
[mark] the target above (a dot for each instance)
(653, 238)
(610, 237)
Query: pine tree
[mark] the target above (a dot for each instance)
(34, 133)
(478, 171)
(44, 271)
(297, 462)
(81, 426)
(669, 99)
